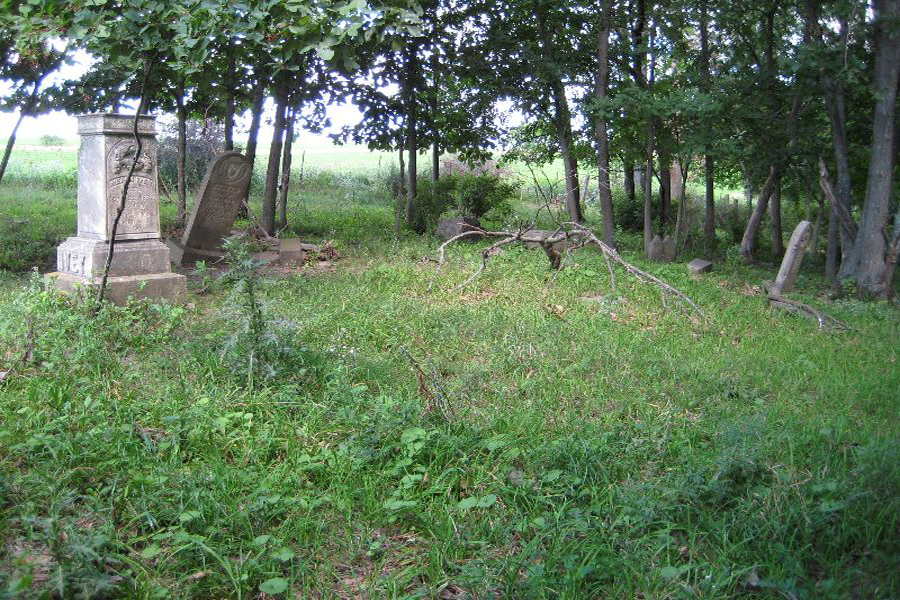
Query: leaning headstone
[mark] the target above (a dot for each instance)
(793, 258)
(661, 250)
(449, 228)
(140, 266)
(216, 208)
(698, 266)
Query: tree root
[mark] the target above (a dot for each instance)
(578, 236)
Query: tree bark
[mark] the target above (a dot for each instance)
(259, 98)
(412, 138)
(665, 192)
(182, 153)
(566, 147)
(709, 222)
(775, 213)
(748, 242)
(648, 189)
(25, 111)
(401, 188)
(832, 250)
(601, 88)
(867, 259)
(286, 169)
(271, 189)
(629, 182)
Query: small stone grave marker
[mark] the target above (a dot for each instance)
(699, 266)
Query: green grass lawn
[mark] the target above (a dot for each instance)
(513, 439)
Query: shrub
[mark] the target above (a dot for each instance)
(52, 140)
(470, 195)
(205, 139)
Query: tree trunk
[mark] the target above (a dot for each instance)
(748, 242)
(832, 250)
(435, 141)
(286, 169)
(25, 111)
(412, 138)
(182, 154)
(775, 213)
(709, 222)
(271, 190)
(10, 143)
(648, 189)
(229, 99)
(867, 259)
(665, 192)
(401, 189)
(259, 98)
(629, 182)
(563, 120)
(601, 88)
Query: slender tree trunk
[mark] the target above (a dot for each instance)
(182, 153)
(681, 215)
(817, 230)
(709, 222)
(832, 249)
(286, 169)
(775, 213)
(10, 143)
(271, 190)
(748, 242)
(229, 99)
(570, 164)
(401, 189)
(648, 189)
(665, 192)
(629, 183)
(412, 138)
(24, 111)
(435, 134)
(259, 98)
(601, 89)
(651, 143)
(867, 259)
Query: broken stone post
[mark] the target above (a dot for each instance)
(140, 266)
(793, 257)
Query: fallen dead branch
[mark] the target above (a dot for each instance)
(574, 236)
(825, 321)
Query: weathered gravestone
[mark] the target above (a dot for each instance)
(225, 187)
(661, 249)
(793, 257)
(140, 266)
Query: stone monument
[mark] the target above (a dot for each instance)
(140, 266)
(226, 185)
(793, 258)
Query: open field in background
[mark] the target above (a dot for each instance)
(566, 441)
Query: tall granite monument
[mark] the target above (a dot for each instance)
(140, 266)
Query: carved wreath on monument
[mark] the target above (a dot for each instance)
(140, 214)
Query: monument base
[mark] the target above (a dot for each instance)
(185, 255)
(157, 286)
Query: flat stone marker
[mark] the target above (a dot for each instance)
(294, 251)
(140, 266)
(226, 184)
(793, 258)
(699, 266)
